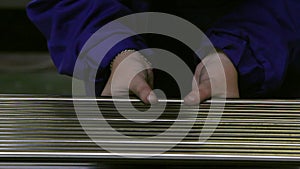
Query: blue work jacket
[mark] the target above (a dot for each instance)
(261, 37)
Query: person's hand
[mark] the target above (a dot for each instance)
(214, 81)
(134, 74)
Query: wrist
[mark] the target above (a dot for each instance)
(138, 57)
(120, 57)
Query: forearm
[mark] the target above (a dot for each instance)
(68, 25)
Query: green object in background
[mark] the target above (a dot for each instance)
(49, 82)
(25, 64)
(31, 73)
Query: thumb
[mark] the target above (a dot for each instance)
(142, 89)
(199, 93)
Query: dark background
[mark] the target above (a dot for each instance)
(25, 64)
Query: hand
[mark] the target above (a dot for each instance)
(206, 82)
(134, 67)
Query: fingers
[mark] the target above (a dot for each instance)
(199, 94)
(150, 78)
(106, 91)
(142, 89)
(201, 88)
(131, 73)
(216, 76)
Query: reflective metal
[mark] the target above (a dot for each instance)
(44, 126)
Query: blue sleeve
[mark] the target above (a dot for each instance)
(68, 24)
(256, 37)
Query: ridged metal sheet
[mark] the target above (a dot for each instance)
(39, 126)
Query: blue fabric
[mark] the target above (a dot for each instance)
(259, 37)
(256, 37)
(68, 24)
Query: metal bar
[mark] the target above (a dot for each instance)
(248, 129)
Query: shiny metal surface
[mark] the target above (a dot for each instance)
(253, 130)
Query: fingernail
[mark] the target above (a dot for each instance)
(190, 99)
(152, 98)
